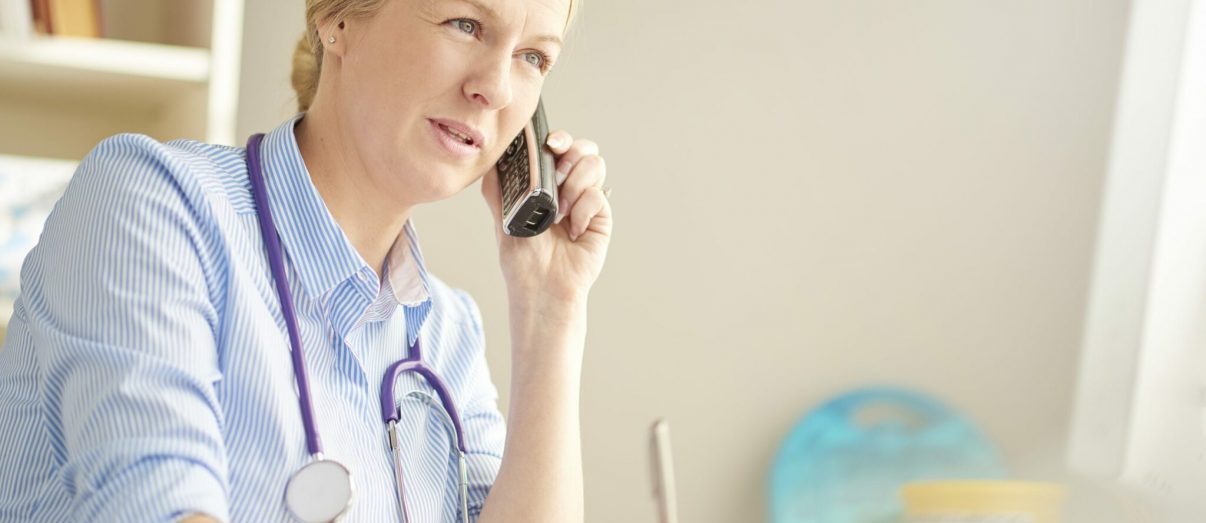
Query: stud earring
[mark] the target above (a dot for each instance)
(330, 39)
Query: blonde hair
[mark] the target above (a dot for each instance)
(307, 56)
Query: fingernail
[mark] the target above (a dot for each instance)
(560, 177)
(556, 140)
(560, 211)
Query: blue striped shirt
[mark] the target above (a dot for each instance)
(146, 372)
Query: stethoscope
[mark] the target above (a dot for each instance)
(322, 489)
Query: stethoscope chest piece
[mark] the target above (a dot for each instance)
(319, 492)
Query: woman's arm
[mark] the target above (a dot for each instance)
(548, 279)
(540, 478)
(117, 303)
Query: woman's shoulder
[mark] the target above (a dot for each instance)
(453, 302)
(200, 173)
(134, 198)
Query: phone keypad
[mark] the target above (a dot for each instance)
(515, 172)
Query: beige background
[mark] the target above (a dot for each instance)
(811, 195)
(816, 195)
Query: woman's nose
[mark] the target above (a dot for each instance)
(490, 84)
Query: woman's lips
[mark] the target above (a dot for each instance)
(452, 143)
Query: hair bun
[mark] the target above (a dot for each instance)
(305, 73)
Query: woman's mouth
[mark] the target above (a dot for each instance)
(454, 142)
(454, 132)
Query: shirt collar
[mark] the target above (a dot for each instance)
(320, 252)
(405, 271)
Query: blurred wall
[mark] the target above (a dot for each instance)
(813, 195)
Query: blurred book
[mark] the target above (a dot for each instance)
(78, 18)
(41, 15)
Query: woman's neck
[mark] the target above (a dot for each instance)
(369, 218)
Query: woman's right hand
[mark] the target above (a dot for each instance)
(559, 266)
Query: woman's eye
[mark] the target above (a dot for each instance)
(466, 25)
(539, 60)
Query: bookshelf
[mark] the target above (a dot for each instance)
(165, 69)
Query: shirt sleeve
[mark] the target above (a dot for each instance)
(120, 306)
(485, 428)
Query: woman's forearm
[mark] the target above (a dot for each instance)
(540, 479)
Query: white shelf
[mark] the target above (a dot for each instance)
(176, 75)
(36, 168)
(98, 55)
(100, 69)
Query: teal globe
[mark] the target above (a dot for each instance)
(846, 461)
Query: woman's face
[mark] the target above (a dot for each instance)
(481, 63)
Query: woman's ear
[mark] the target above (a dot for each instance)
(332, 35)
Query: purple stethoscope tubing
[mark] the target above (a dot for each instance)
(413, 363)
(277, 264)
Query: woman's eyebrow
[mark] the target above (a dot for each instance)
(490, 12)
(493, 14)
(550, 38)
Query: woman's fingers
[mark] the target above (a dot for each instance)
(568, 156)
(591, 204)
(589, 172)
(559, 141)
(580, 171)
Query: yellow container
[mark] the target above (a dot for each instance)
(982, 502)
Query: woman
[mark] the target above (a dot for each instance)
(148, 373)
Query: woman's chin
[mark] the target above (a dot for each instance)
(444, 186)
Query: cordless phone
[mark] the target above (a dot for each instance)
(527, 179)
